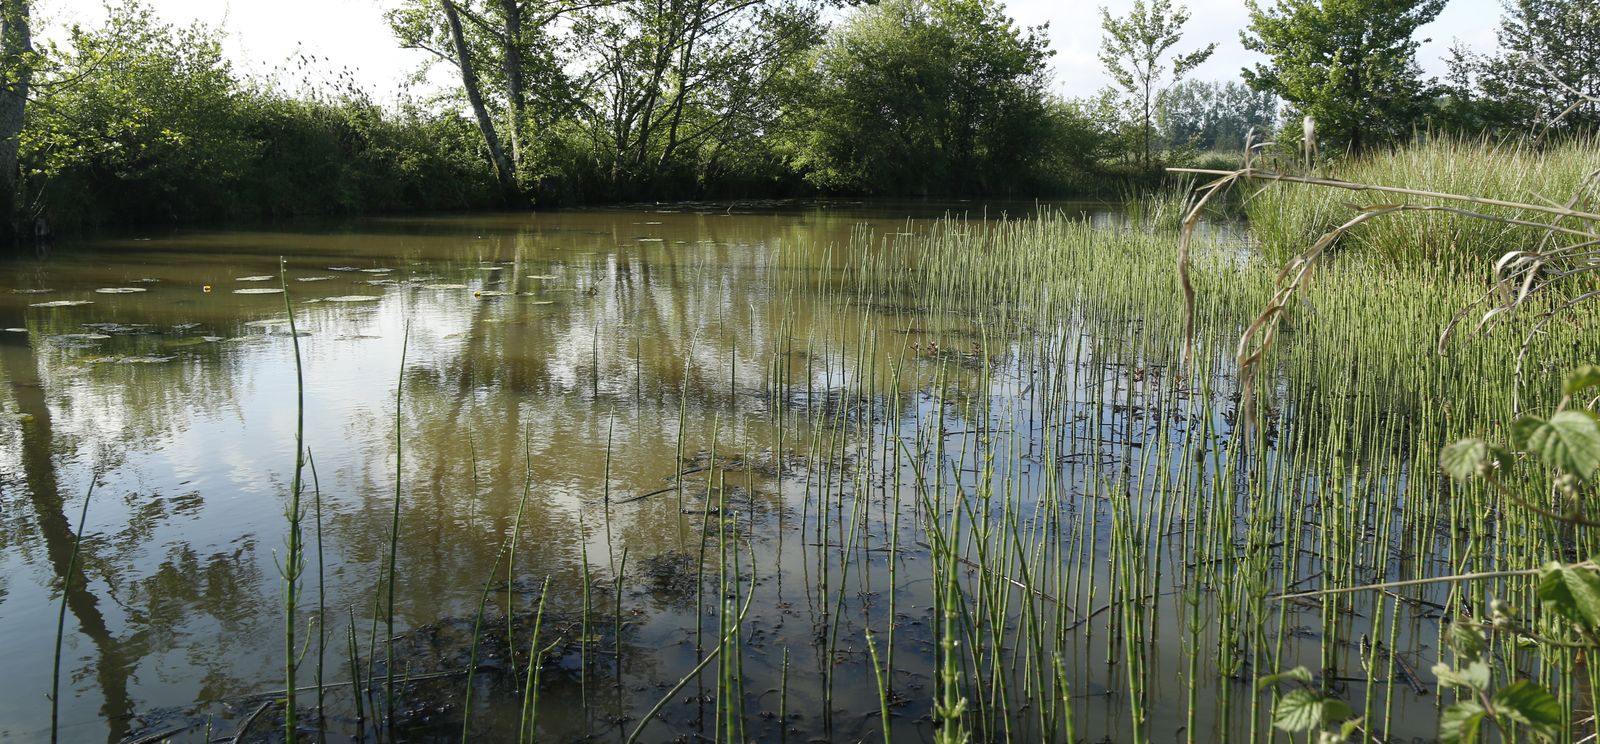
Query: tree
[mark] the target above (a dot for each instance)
(676, 91)
(1548, 60)
(1209, 115)
(1348, 64)
(16, 70)
(1132, 50)
(507, 64)
(924, 97)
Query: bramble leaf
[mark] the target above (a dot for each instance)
(1581, 379)
(1464, 459)
(1460, 723)
(1530, 705)
(1569, 440)
(1474, 675)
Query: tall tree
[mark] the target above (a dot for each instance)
(16, 71)
(925, 97)
(1548, 62)
(1212, 115)
(1348, 64)
(506, 62)
(1133, 49)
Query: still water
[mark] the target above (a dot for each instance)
(647, 400)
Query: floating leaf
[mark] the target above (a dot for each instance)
(259, 291)
(312, 278)
(121, 290)
(1463, 459)
(377, 271)
(1569, 440)
(257, 278)
(62, 303)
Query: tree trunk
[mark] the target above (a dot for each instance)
(516, 88)
(504, 171)
(16, 67)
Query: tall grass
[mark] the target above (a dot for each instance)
(1285, 218)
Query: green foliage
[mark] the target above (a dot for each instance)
(1548, 58)
(1349, 64)
(1287, 219)
(1569, 440)
(1212, 116)
(1133, 49)
(928, 97)
(139, 121)
(1522, 703)
(1305, 708)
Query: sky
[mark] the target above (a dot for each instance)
(353, 34)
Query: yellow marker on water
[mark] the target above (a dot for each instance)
(206, 288)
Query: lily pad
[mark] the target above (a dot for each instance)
(491, 268)
(343, 268)
(259, 290)
(257, 278)
(377, 271)
(353, 298)
(121, 290)
(312, 278)
(16, 330)
(651, 240)
(62, 303)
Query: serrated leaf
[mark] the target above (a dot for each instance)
(1569, 440)
(1474, 675)
(1468, 641)
(1298, 710)
(1581, 379)
(1298, 674)
(1460, 723)
(1574, 593)
(1530, 705)
(1463, 459)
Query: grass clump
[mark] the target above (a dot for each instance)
(1285, 218)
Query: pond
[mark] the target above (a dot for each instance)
(738, 465)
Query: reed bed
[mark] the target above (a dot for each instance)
(979, 496)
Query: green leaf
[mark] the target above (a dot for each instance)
(1460, 723)
(1530, 705)
(1572, 592)
(1468, 641)
(1305, 709)
(1463, 459)
(1569, 440)
(1298, 674)
(1581, 379)
(1298, 710)
(1474, 676)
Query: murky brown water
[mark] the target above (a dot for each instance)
(180, 396)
